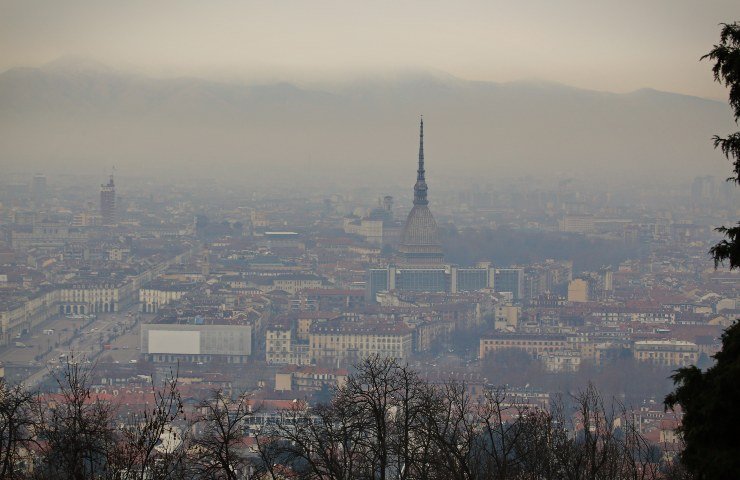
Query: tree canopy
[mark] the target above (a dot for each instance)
(726, 57)
(709, 400)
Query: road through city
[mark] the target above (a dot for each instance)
(62, 338)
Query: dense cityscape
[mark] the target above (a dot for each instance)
(347, 240)
(537, 289)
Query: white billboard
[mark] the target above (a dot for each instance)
(174, 342)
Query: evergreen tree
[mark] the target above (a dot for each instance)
(710, 402)
(726, 57)
(709, 398)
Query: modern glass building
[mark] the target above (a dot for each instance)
(472, 279)
(509, 280)
(445, 278)
(422, 279)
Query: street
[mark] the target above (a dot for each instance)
(61, 338)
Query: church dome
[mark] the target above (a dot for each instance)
(419, 240)
(420, 228)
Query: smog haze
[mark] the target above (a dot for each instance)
(229, 88)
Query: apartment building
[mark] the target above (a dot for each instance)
(337, 341)
(282, 346)
(156, 295)
(671, 353)
(534, 344)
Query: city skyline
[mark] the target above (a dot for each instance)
(421, 240)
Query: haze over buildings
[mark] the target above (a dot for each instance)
(250, 88)
(272, 225)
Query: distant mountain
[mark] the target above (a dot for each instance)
(81, 114)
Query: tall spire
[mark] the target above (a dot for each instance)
(420, 172)
(420, 188)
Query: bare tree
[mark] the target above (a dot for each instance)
(17, 427)
(502, 432)
(640, 459)
(387, 423)
(371, 391)
(375, 427)
(595, 441)
(76, 428)
(324, 442)
(412, 400)
(218, 447)
(151, 445)
(394, 403)
(543, 435)
(271, 454)
(453, 426)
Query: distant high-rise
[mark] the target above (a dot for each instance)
(108, 202)
(39, 189)
(419, 240)
(703, 191)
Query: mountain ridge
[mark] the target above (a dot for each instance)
(78, 112)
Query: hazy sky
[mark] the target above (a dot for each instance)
(606, 45)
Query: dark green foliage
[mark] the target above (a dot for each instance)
(711, 416)
(728, 249)
(710, 398)
(726, 57)
(726, 68)
(730, 147)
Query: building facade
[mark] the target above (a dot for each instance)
(46, 236)
(535, 345)
(443, 278)
(671, 353)
(89, 298)
(340, 341)
(170, 343)
(282, 347)
(153, 297)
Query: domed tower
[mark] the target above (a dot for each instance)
(419, 240)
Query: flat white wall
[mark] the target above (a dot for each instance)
(174, 342)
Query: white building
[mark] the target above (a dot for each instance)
(167, 342)
(89, 298)
(154, 296)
